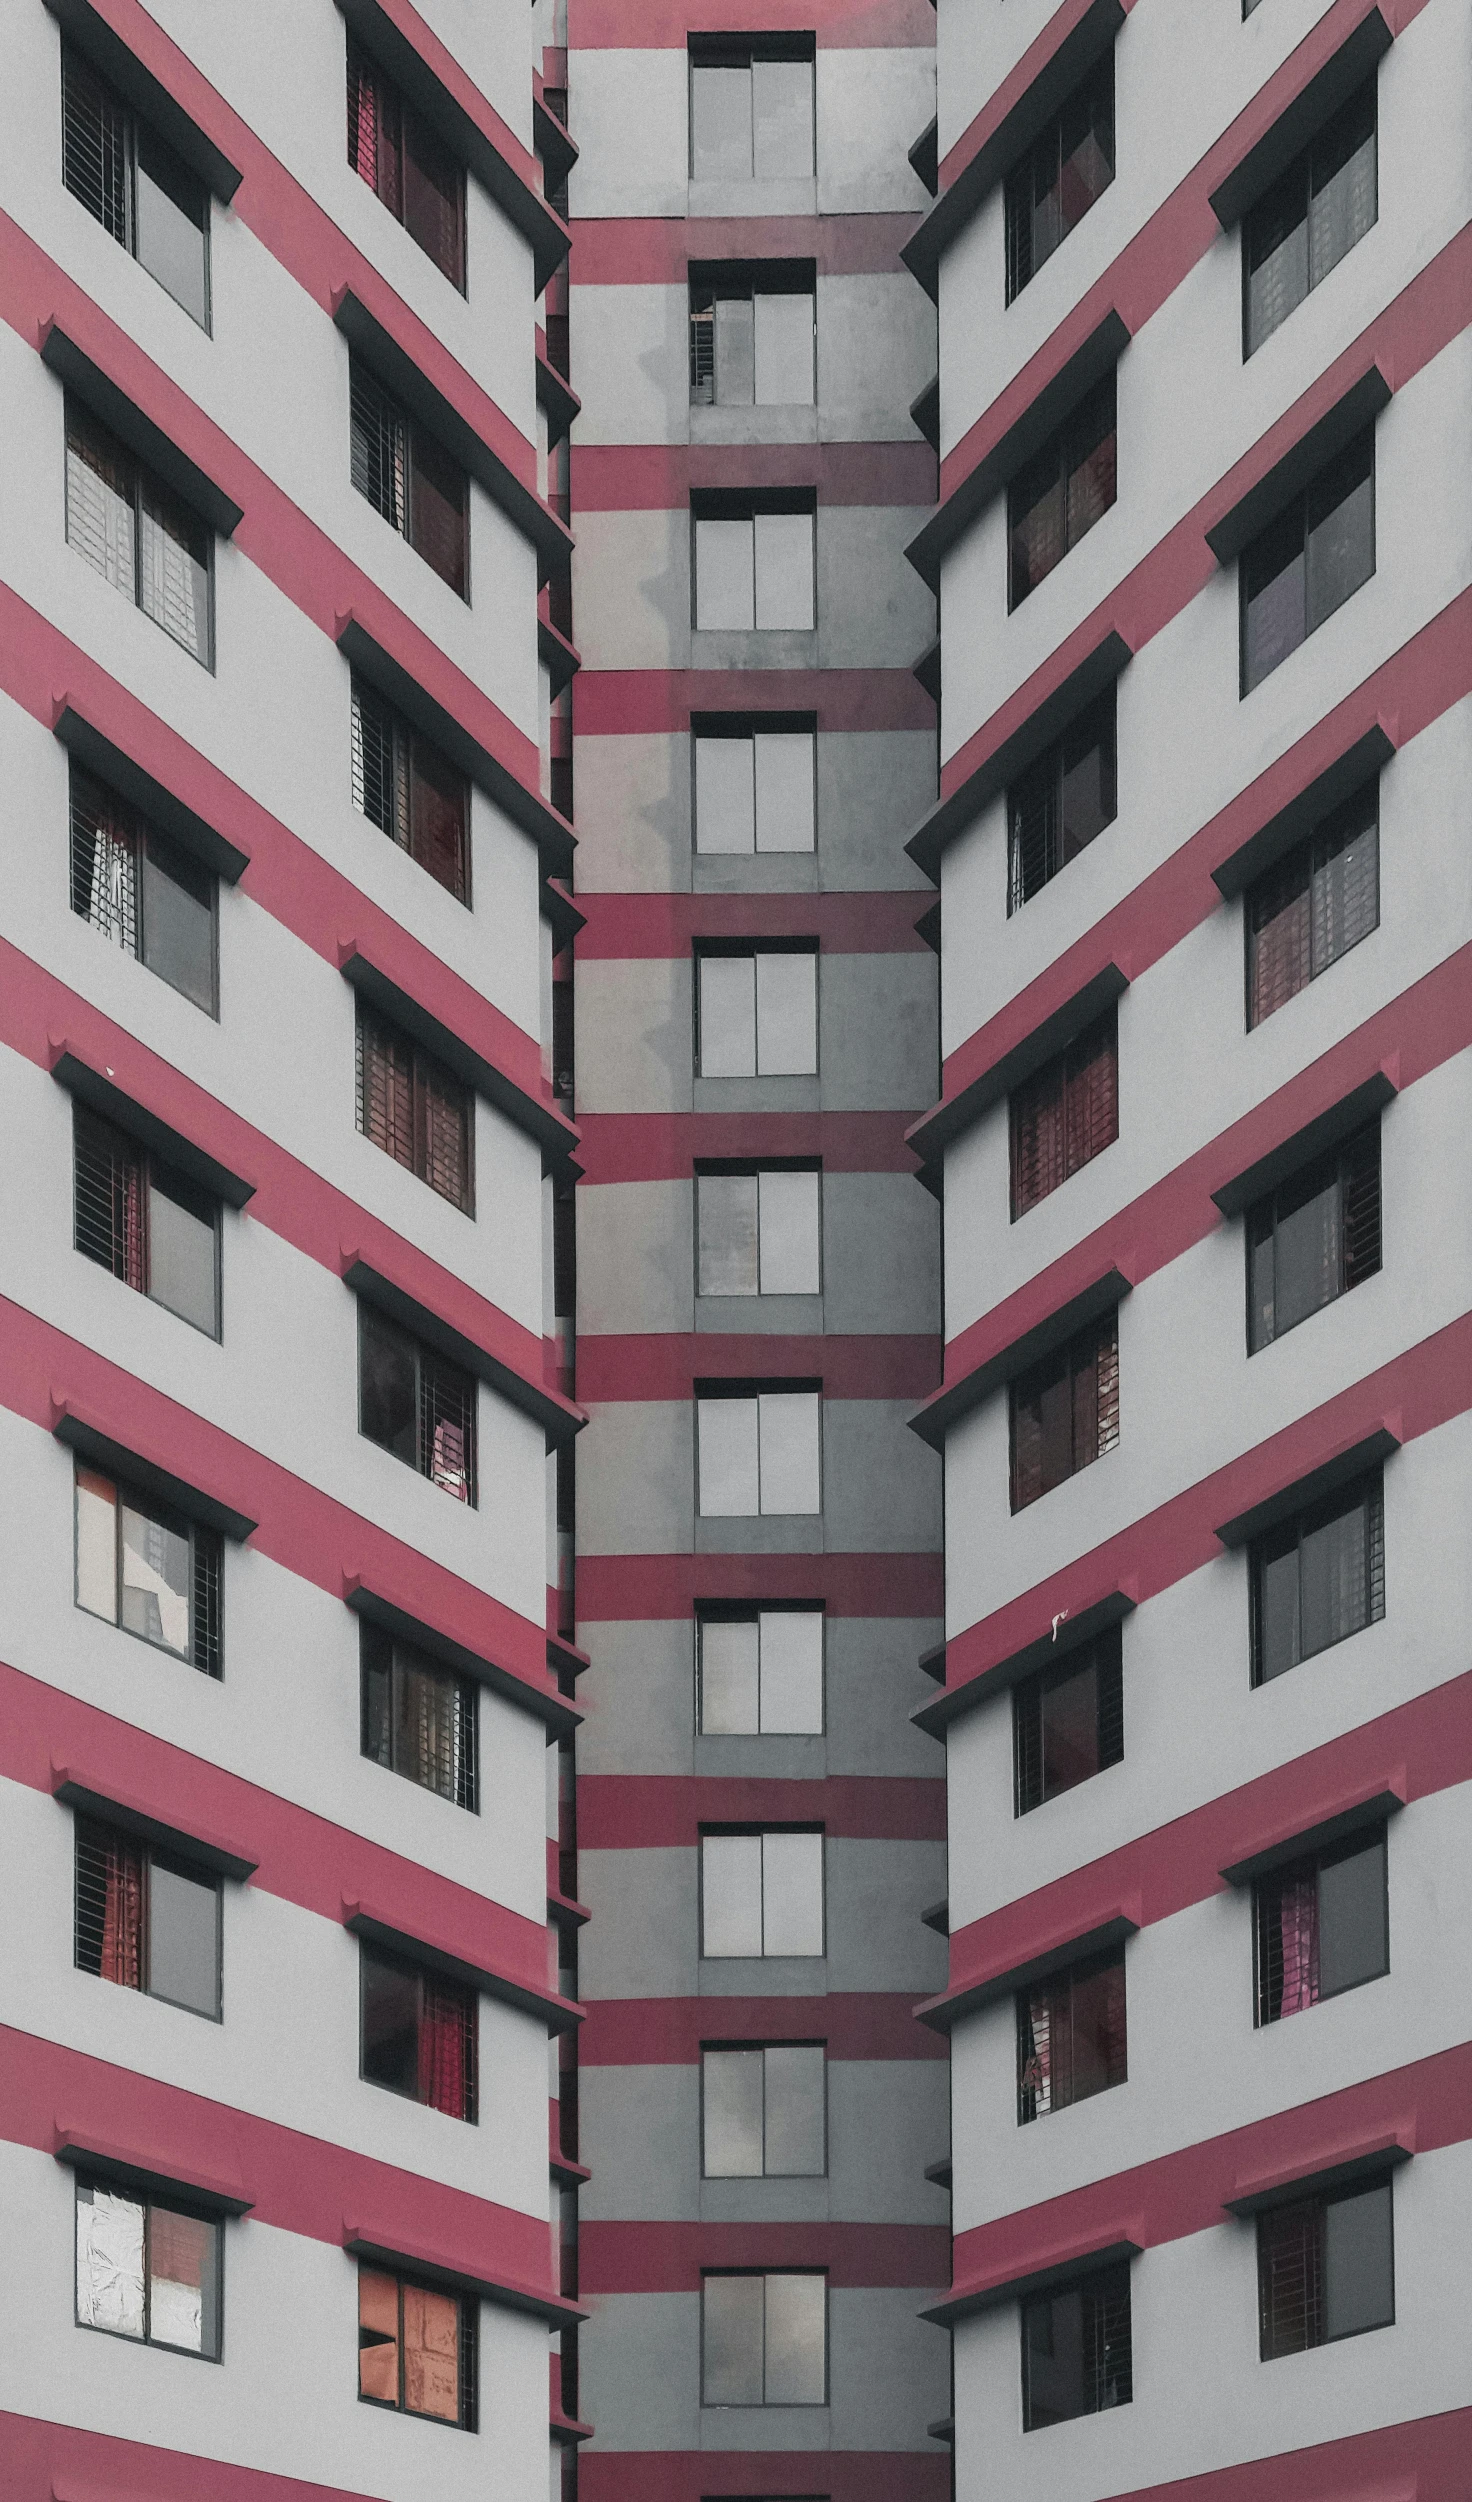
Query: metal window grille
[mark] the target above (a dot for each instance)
(97, 147)
(109, 1930)
(1090, 1685)
(207, 1559)
(1061, 803)
(414, 1110)
(110, 1199)
(447, 1414)
(1353, 1571)
(420, 1720)
(702, 344)
(104, 862)
(1060, 1119)
(1343, 1190)
(1286, 1916)
(1060, 494)
(1071, 2037)
(132, 531)
(1291, 2278)
(1077, 2354)
(1064, 1412)
(375, 146)
(413, 794)
(1061, 176)
(379, 449)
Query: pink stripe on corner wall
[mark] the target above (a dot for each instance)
(615, 703)
(670, 2258)
(657, 251)
(50, 2462)
(664, 1811)
(666, 1364)
(659, 477)
(668, 2032)
(654, 1588)
(665, 1146)
(872, 921)
(692, 2475)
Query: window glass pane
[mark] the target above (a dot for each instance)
(183, 2277)
(725, 802)
(784, 350)
(387, 1411)
(782, 120)
(786, 812)
(1275, 240)
(720, 123)
(726, 1434)
(390, 2001)
(99, 504)
(792, 1893)
(179, 922)
(378, 2337)
(173, 226)
(434, 200)
(727, 1204)
(109, 2262)
(1354, 1943)
(733, 2114)
(729, 1678)
(1359, 2263)
(1070, 1730)
(97, 1545)
(724, 580)
(728, 987)
(438, 517)
(1341, 532)
(1277, 1603)
(1346, 881)
(1343, 185)
(432, 2353)
(790, 1422)
(795, 2131)
(791, 1671)
(174, 570)
(1273, 599)
(1307, 1254)
(786, 1015)
(1332, 1577)
(156, 1579)
(182, 1266)
(789, 1209)
(731, 1894)
(183, 1937)
(735, 351)
(784, 571)
(797, 2362)
(731, 2335)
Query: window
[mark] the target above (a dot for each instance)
(1309, 561)
(751, 112)
(149, 1570)
(1308, 221)
(758, 1232)
(755, 570)
(1065, 1412)
(762, 1675)
(752, 336)
(761, 1894)
(146, 1920)
(755, 786)
(419, 1720)
(1061, 803)
(127, 526)
(412, 1107)
(142, 892)
(758, 1452)
(1318, 1578)
(762, 2112)
(758, 1013)
(417, 2348)
(1068, 1723)
(410, 481)
(764, 2341)
(416, 178)
(1070, 2036)
(1322, 1926)
(136, 1215)
(417, 1404)
(133, 185)
(1060, 1119)
(1325, 2269)
(1060, 178)
(1314, 905)
(1076, 2357)
(1314, 1238)
(1055, 500)
(404, 786)
(420, 2034)
(148, 2271)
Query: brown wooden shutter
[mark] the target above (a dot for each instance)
(1091, 1113)
(385, 1088)
(1037, 1138)
(443, 1120)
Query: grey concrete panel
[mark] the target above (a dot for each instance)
(876, 1893)
(881, 1486)
(633, 806)
(754, 425)
(779, 1315)
(645, 2124)
(777, 647)
(755, 873)
(636, 1258)
(782, 1533)
(762, 1094)
(641, 1940)
(639, 2371)
(887, 2118)
(640, 1693)
(871, 104)
(874, 786)
(874, 1682)
(874, 612)
(610, 94)
(881, 1254)
(762, 1758)
(630, 347)
(876, 1032)
(636, 1479)
(888, 2370)
(631, 589)
(877, 349)
(635, 1034)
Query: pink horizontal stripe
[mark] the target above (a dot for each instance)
(619, 25)
(671, 2258)
(45, 2462)
(862, 923)
(668, 2032)
(659, 477)
(301, 1857)
(696, 2475)
(650, 1589)
(667, 1364)
(611, 703)
(654, 1811)
(657, 251)
(1005, 98)
(665, 1146)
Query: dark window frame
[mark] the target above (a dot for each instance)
(390, 764)
(1080, 441)
(146, 496)
(740, 51)
(1368, 1491)
(1097, 1343)
(206, 1573)
(1293, 529)
(427, 1363)
(1040, 844)
(724, 2274)
(194, 2214)
(1351, 1173)
(411, 139)
(91, 1835)
(99, 818)
(739, 282)
(426, 1078)
(762, 2047)
(1095, 2290)
(759, 1832)
(1090, 97)
(389, 452)
(1310, 2215)
(406, 1968)
(120, 1242)
(1300, 177)
(467, 2354)
(1304, 873)
(113, 189)
(1064, 1091)
(1040, 2070)
(1104, 1657)
(1268, 1977)
(382, 1656)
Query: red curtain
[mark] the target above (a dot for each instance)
(122, 1916)
(447, 2049)
(1298, 1917)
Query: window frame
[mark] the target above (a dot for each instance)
(467, 2352)
(1301, 168)
(360, 60)
(88, 1830)
(1097, 75)
(743, 282)
(760, 1832)
(1104, 1333)
(744, 729)
(78, 423)
(760, 2049)
(392, 1959)
(751, 951)
(1351, 820)
(368, 710)
(1370, 1488)
(1316, 2203)
(754, 1168)
(1102, 713)
(1099, 2284)
(206, 1570)
(1061, 453)
(74, 58)
(426, 1074)
(734, 1612)
(1341, 1178)
(1300, 505)
(1069, 1072)
(1084, 1968)
(154, 1172)
(392, 414)
(1312, 1864)
(724, 2274)
(1104, 1655)
(714, 52)
(369, 1318)
(130, 833)
(180, 2205)
(466, 1706)
(751, 505)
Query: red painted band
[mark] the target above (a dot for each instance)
(671, 2258)
(668, 2032)
(612, 703)
(697, 2475)
(650, 1589)
(668, 1363)
(657, 251)
(660, 477)
(666, 1146)
(862, 923)
(651, 1811)
(45, 2462)
(1422, 2461)
(610, 25)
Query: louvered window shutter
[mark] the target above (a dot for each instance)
(110, 1199)
(1104, 1368)
(1092, 1095)
(444, 1113)
(1360, 1187)
(1037, 1126)
(96, 146)
(438, 816)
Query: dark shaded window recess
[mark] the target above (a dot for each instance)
(1071, 2036)
(1325, 2269)
(134, 185)
(1309, 561)
(1311, 907)
(1064, 1412)
(412, 172)
(415, 1403)
(751, 109)
(1056, 498)
(404, 785)
(417, 2348)
(127, 525)
(1314, 1238)
(420, 1720)
(420, 2033)
(1314, 214)
(1322, 1926)
(411, 1107)
(148, 1569)
(1063, 173)
(1063, 1116)
(753, 334)
(1062, 802)
(148, 1224)
(142, 892)
(146, 1920)
(410, 480)
(1076, 2349)
(1318, 1578)
(1068, 1723)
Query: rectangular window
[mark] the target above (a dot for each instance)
(410, 791)
(758, 1232)
(1318, 1578)
(756, 785)
(1065, 1115)
(764, 2340)
(1061, 176)
(410, 480)
(762, 2112)
(1076, 2352)
(1068, 1723)
(759, 1452)
(1071, 2036)
(1310, 908)
(1322, 1926)
(1325, 2269)
(752, 336)
(762, 1675)
(757, 1013)
(1061, 803)
(761, 1894)
(419, 1719)
(755, 571)
(1055, 500)
(417, 1404)
(1313, 215)
(142, 892)
(420, 2034)
(411, 1106)
(751, 111)
(138, 1216)
(1064, 1412)
(125, 524)
(134, 186)
(148, 2271)
(417, 2348)
(1314, 1238)
(146, 1568)
(416, 178)
(1309, 561)
(146, 1920)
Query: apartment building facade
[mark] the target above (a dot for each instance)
(280, 1683)
(1202, 553)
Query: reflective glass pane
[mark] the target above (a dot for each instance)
(735, 352)
(727, 1205)
(1278, 1609)
(182, 1267)
(173, 226)
(1275, 240)
(797, 2361)
(97, 1545)
(792, 1893)
(790, 1428)
(109, 2262)
(786, 1015)
(786, 811)
(1359, 2263)
(1341, 535)
(183, 2281)
(1332, 1595)
(792, 1671)
(784, 571)
(724, 582)
(1070, 1730)
(725, 802)
(731, 1894)
(728, 1032)
(1354, 1942)
(720, 123)
(174, 570)
(183, 1937)
(390, 2008)
(731, 2338)
(789, 1210)
(732, 2083)
(378, 2337)
(783, 327)
(1307, 1257)
(178, 936)
(782, 120)
(156, 1580)
(726, 1434)
(794, 2107)
(729, 1675)
(387, 1411)
(1274, 616)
